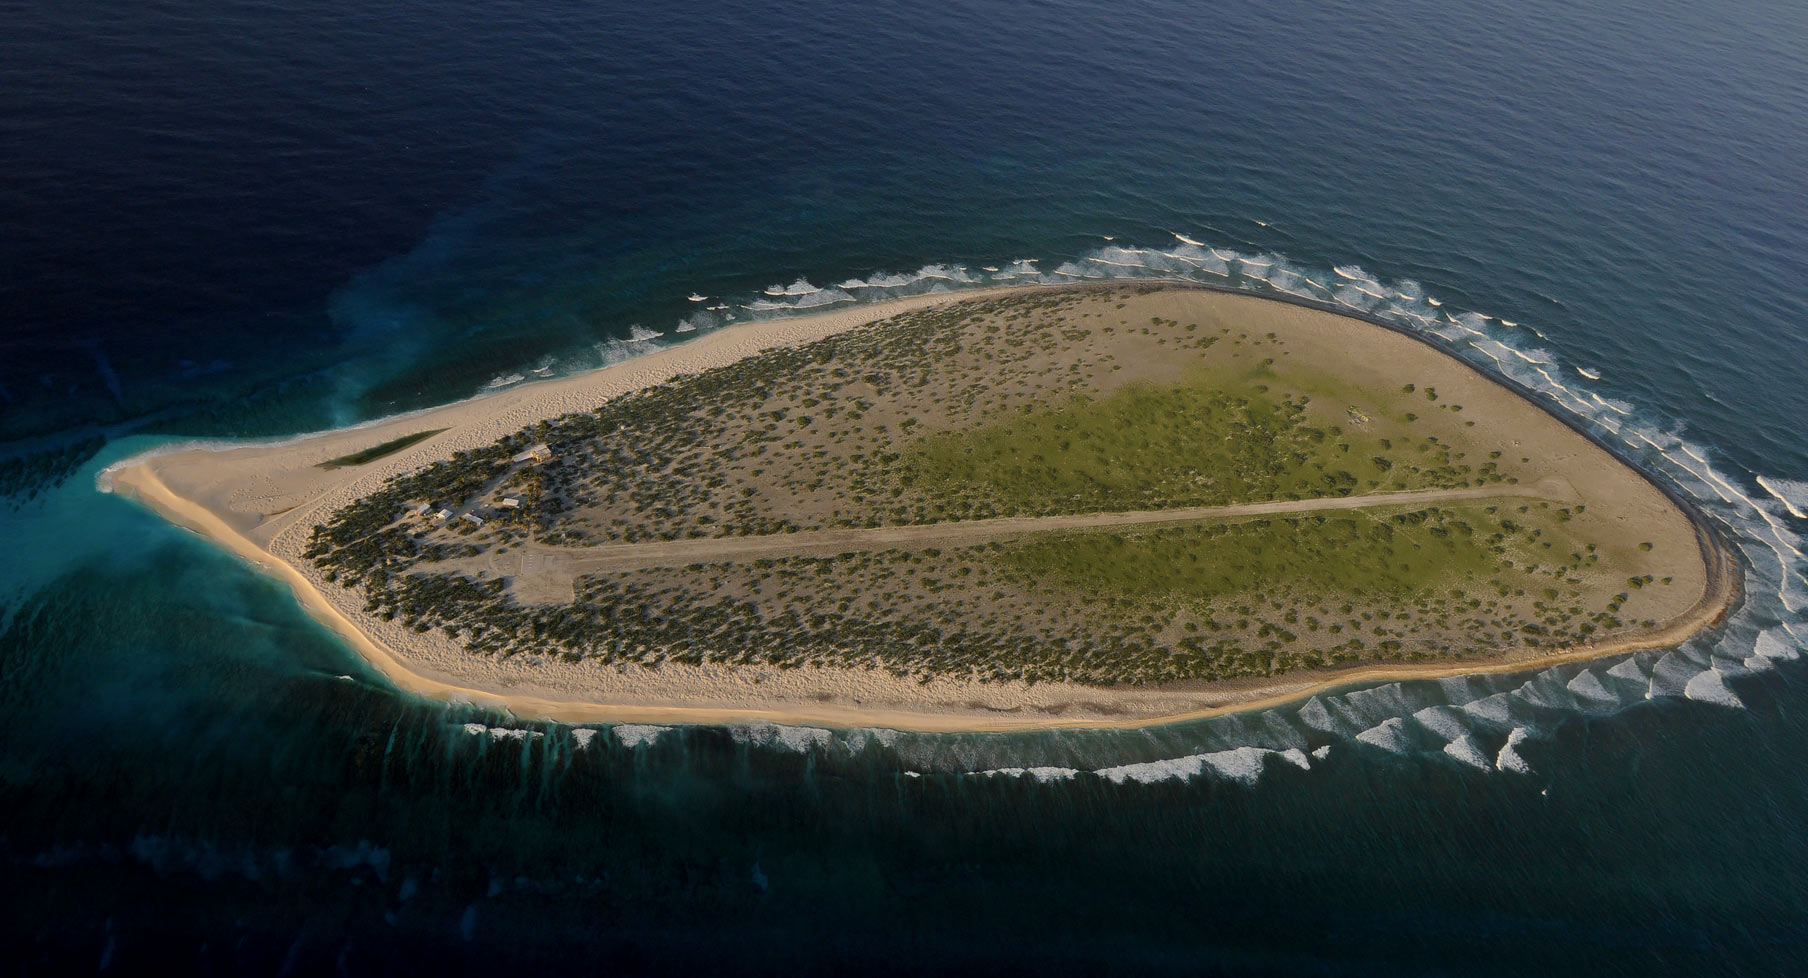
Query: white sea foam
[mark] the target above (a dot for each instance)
(1670, 675)
(1342, 717)
(1465, 750)
(1186, 240)
(1630, 670)
(501, 733)
(1386, 735)
(1314, 714)
(1446, 721)
(878, 280)
(822, 297)
(794, 739)
(1776, 644)
(1588, 686)
(701, 319)
(508, 380)
(636, 734)
(800, 287)
(1073, 270)
(1509, 758)
(1618, 407)
(1149, 772)
(1355, 298)
(1496, 709)
(1464, 326)
(947, 273)
(1210, 264)
(1792, 494)
(1710, 687)
(1378, 702)
(1046, 775)
(582, 736)
(1545, 690)
(1242, 764)
(1290, 283)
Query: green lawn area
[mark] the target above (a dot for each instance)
(1399, 553)
(375, 452)
(1220, 437)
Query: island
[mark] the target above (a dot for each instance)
(1033, 507)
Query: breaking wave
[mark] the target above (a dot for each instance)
(1792, 494)
(637, 734)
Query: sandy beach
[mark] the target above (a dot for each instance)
(260, 501)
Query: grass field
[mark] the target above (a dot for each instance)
(1399, 555)
(1219, 437)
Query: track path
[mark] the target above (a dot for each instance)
(544, 573)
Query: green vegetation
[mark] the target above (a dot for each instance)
(1036, 405)
(375, 452)
(1219, 437)
(1399, 555)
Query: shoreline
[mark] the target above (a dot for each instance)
(243, 523)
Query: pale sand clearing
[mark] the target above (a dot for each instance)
(262, 500)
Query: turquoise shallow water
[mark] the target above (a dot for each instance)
(231, 219)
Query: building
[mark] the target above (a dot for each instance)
(444, 514)
(534, 453)
(474, 519)
(510, 502)
(422, 510)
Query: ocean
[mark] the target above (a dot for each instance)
(243, 219)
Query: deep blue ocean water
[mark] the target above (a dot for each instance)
(248, 219)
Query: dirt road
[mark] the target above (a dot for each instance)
(543, 574)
